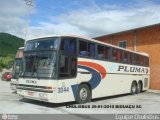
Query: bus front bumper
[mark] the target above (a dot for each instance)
(13, 84)
(35, 95)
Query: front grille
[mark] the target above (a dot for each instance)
(34, 88)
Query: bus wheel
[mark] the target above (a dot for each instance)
(133, 88)
(139, 87)
(83, 94)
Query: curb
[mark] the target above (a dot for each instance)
(153, 91)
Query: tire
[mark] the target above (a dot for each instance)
(133, 88)
(83, 94)
(139, 87)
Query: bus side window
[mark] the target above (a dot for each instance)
(83, 48)
(114, 53)
(142, 60)
(91, 50)
(138, 59)
(146, 61)
(100, 54)
(106, 53)
(133, 58)
(126, 57)
(119, 55)
(72, 45)
(130, 57)
(68, 46)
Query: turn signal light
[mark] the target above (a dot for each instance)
(49, 87)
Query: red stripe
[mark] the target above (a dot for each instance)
(96, 66)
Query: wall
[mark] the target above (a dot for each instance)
(148, 40)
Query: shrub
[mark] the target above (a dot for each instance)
(0, 68)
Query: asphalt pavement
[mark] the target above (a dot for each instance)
(143, 103)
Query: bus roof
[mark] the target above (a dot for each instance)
(92, 40)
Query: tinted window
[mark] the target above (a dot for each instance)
(42, 44)
(30, 45)
(91, 50)
(68, 58)
(119, 56)
(86, 49)
(116, 55)
(40, 64)
(137, 59)
(68, 45)
(46, 64)
(146, 61)
(106, 52)
(127, 57)
(101, 52)
(134, 58)
(48, 44)
(142, 60)
(83, 48)
(130, 56)
(17, 67)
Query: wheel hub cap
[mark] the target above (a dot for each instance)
(83, 94)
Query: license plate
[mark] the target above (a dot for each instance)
(30, 93)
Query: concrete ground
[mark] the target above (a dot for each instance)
(146, 102)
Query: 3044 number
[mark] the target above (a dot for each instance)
(63, 89)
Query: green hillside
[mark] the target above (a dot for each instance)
(9, 44)
(8, 48)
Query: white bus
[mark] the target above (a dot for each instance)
(16, 68)
(71, 68)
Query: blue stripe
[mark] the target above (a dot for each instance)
(94, 81)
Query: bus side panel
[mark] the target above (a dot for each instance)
(118, 77)
(67, 88)
(146, 81)
(64, 90)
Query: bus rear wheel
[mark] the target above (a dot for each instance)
(133, 88)
(83, 94)
(139, 87)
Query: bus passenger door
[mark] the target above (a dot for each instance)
(67, 69)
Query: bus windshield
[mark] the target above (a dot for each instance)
(16, 68)
(39, 59)
(39, 64)
(42, 44)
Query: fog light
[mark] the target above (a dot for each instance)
(19, 92)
